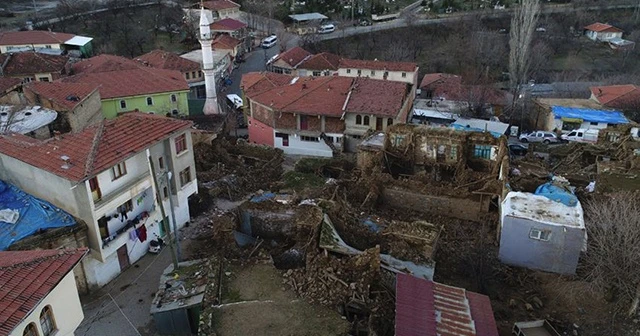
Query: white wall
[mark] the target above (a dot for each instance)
(395, 76)
(4, 49)
(65, 305)
(136, 166)
(299, 147)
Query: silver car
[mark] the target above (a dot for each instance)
(539, 136)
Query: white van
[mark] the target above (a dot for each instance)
(269, 41)
(326, 29)
(582, 135)
(235, 101)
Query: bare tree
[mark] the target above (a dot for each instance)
(613, 255)
(523, 22)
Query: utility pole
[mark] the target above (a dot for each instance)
(165, 225)
(173, 217)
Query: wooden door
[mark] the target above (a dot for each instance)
(95, 189)
(123, 257)
(378, 124)
(303, 122)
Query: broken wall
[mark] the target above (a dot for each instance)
(470, 208)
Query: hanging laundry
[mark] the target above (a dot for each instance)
(133, 235)
(142, 233)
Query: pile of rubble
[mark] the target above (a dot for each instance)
(233, 168)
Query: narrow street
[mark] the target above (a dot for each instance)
(254, 61)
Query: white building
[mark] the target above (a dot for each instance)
(102, 176)
(406, 72)
(38, 294)
(602, 32)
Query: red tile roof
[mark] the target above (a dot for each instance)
(132, 82)
(7, 84)
(378, 65)
(104, 63)
(333, 96)
(606, 94)
(94, 149)
(603, 27)
(427, 308)
(225, 41)
(293, 56)
(220, 4)
(66, 95)
(322, 61)
(227, 24)
(29, 63)
(435, 79)
(253, 83)
(33, 37)
(377, 97)
(27, 277)
(167, 60)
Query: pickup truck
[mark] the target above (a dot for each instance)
(582, 135)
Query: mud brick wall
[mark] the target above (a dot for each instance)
(333, 125)
(314, 123)
(262, 113)
(285, 121)
(461, 208)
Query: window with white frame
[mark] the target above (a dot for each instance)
(181, 143)
(404, 75)
(348, 71)
(30, 330)
(309, 139)
(537, 234)
(149, 101)
(174, 98)
(123, 104)
(47, 322)
(185, 176)
(118, 171)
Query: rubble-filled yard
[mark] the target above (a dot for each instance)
(321, 241)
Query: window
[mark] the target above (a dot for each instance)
(118, 171)
(46, 321)
(30, 330)
(26, 80)
(397, 139)
(389, 121)
(95, 189)
(199, 74)
(359, 73)
(161, 163)
(593, 123)
(373, 73)
(317, 73)
(43, 79)
(358, 120)
(330, 139)
(123, 104)
(165, 192)
(543, 235)
(185, 176)
(386, 74)
(453, 152)
(366, 120)
(174, 112)
(193, 74)
(149, 101)
(174, 98)
(304, 123)
(125, 207)
(338, 140)
(181, 143)
(348, 71)
(404, 75)
(309, 139)
(187, 75)
(104, 229)
(482, 151)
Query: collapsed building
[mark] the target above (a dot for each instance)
(437, 170)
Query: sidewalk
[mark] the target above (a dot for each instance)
(122, 307)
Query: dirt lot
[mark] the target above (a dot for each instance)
(256, 303)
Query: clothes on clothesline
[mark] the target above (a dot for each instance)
(133, 235)
(142, 233)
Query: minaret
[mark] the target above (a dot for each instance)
(211, 104)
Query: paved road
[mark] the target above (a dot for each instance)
(488, 14)
(255, 61)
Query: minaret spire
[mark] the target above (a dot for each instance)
(206, 40)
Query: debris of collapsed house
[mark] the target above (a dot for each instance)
(444, 171)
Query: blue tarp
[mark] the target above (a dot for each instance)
(35, 215)
(590, 115)
(557, 193)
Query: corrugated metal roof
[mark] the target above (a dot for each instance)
(610, 117)
(307, 17)
(427, 308)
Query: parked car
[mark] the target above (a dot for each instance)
(518, 150)
(539, 136)
(365, 22)
(269, 41)
(326, 29)
(582, 135)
